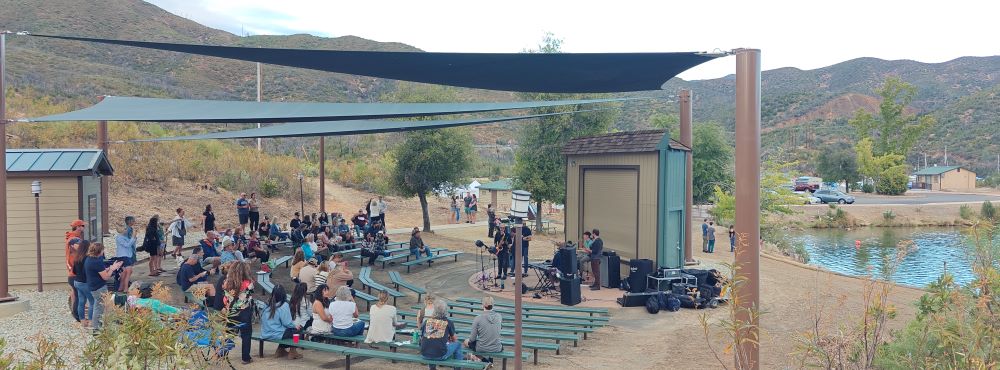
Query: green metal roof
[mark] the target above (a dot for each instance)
(936, 170)
(58, 160)
(500, 185)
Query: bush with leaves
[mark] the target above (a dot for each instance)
(988, 212)
(965, 212)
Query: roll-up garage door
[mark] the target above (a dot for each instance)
(611, 204)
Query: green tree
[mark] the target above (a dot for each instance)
(887, 172)
(775, 198)
(430, 160)
(670, 122)
(892, 131)
(539, 166)
(712, 161)
(838, 163)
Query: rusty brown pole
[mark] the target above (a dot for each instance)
(686, 140)
(747, 194)
(518, 313)
(38, 235)
(322, 174)
(102, 143)
(4, 292)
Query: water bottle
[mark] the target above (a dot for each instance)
(416, 337)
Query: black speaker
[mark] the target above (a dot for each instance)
(638, 269)
(566, 258)
(569, 291)
(613, 265)
(633, 299)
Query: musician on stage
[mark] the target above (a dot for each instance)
(596, 247)
(583, 253)
(502, 242)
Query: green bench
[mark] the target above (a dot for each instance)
(365, 276)
(393, 256)
(397, 281)
(430, 259)
(282, 260)
(589, 310)
(536, 320)
(189, 297)
(510, 324)
(557, 337)
(348, 352)
(368, 298)
(264, 280)
(393, 346)
(510, 311)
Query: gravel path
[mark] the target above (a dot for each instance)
(48, 316)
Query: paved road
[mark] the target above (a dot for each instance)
(913, 197)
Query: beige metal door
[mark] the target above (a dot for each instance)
(611, 204)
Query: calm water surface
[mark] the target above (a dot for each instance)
(835, 250)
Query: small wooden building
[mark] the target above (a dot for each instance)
(500, 196)
(71, 190)
(630, 185)
(954, 178)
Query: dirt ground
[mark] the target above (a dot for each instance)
(943, 214)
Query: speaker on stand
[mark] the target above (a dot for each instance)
(569, 290)
(611, 267)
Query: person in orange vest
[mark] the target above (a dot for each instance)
(75, 232)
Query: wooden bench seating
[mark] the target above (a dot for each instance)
(510, 311)
(365, 276)
(430, 259)
(535, 320)
(397, 282)
(590, 310)
(348, 352)
(393, 346)
(264, 280)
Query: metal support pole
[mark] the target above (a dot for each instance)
(4, 292)
(102, 143)
(747, 194)
(322, 174)
(686, 140)
(518, 313)
(38, 242)
(302, 197)
(259, 147)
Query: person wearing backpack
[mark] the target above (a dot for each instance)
(178, 229)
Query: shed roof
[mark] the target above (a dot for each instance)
(936, 170)
(79, 161)
(500, 185)
(620, 142)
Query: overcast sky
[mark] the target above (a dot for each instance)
(802, 34)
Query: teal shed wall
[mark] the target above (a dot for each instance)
(671, 218)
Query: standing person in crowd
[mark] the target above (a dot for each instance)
(75, 232)
(491, 217)
(152, 243)
(83, 297)
(437, 336)
(417, 245)
(382, 208)
(732, 238)
(254, 208)
(192, 275)
(525, 240)
(704, 236)
(208, 218)
(382, 321)
(243, 209)
(360, 221)
(308, 274)
(711, 237)
(298, 262)
(372, 210)
(125, 249)
(97, 280)
(454, 209)
(474, 208)
(595, 250)
(301, 307)
(321, 319)
(345, 312)
(485, 333)
(238, 303)
(467, 202)
(276, 323)
(178, 229)
(295, 222)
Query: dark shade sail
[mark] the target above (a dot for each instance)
(353, 127)
(115, 108)
(525, 72)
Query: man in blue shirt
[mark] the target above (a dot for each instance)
(191, 274)
(243, 210)
(704, 236)
(596, 247)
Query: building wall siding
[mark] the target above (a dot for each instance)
(648, 172)
(58, 206)
(958, 180)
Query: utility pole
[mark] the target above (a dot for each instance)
(925, 159)
(945, 155)
(4, 293)
(258, 100)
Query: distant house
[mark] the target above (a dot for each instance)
(71, 190)
(499, 193)
(945, 178)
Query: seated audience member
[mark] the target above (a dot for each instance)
(382, 319)
(264, 229)
(298, 262)
(345, 313)
(427, 311)
(340, 275)
(485, 333)
(321, 319)
(417, 246)
(301, 307)
(437, 336)
(229, 252)
(209, 244)
(322, 272)
(360, 221)
(276, 323)
(274, 233)
(256, 250)
(308, 274)
(192, 275)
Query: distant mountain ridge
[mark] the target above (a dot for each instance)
(801, 109)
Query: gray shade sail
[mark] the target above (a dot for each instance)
(115, 108)
(353, 127)
(525, 72)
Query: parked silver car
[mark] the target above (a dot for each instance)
(833, 196)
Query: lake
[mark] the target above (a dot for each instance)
(835, 250)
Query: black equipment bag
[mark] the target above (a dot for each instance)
(653, 305)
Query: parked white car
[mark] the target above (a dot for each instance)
(808, 198)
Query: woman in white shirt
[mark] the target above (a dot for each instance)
(382, 317)
(344, 312)
(321, 320)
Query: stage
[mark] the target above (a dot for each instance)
(604, 298)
